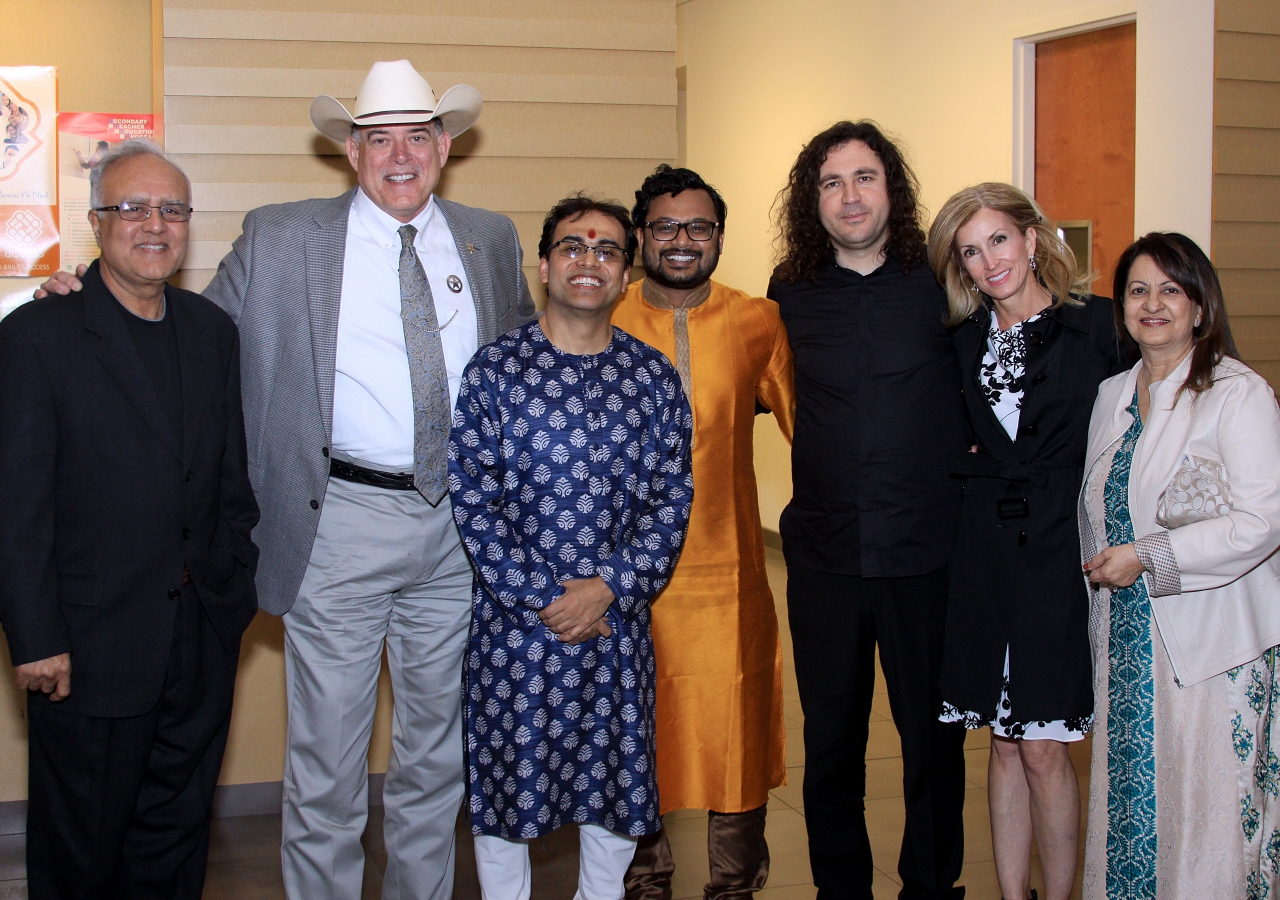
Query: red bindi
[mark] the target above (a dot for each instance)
(591, 233)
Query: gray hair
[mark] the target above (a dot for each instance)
(125, 150)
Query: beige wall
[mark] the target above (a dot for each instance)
(43, 34)
(1246, 183)
(940, 76)
(113, 74)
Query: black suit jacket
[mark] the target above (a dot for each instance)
(1015, 580)
(101, 505)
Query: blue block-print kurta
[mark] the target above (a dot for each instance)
(565, 467)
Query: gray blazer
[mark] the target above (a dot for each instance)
(282, 283)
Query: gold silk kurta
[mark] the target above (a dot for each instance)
(721, 739)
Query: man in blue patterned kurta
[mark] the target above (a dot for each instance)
(571, 484)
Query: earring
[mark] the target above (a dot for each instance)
(974, 288)
(1033, 262)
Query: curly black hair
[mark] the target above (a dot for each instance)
(579, 204)
(667, 180)
(803, 244)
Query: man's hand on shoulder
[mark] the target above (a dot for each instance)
(62, 283)
(578, 613)
(49, 676)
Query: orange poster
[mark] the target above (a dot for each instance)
(82, 138)
(28, 171)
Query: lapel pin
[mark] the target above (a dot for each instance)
(471, 248)
(454, 282)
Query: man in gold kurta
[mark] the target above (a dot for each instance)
(720, 731)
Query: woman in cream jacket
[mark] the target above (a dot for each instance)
(1180, 523)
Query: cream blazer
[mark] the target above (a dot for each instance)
(1228, 610)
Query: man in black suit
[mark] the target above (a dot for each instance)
(126, 567)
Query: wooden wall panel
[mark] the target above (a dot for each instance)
(1246, 198)
(1247, 104)
(1246, 151)
(572, 102)
(1246, 184)
(1248, 17)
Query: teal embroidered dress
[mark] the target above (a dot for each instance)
(1185, 781)
(1131, 761)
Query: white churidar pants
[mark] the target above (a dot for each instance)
(603, 858)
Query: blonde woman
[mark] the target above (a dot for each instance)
(1033, 347)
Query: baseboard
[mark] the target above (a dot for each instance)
(255, 799)
(13, 817)
(772, 539)
(263, 798)
(258, 799)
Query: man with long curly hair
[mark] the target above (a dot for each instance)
(874, 511)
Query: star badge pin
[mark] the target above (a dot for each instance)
(455, 283)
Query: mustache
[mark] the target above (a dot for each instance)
(681, 251)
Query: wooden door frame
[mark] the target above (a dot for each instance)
(1024, 92)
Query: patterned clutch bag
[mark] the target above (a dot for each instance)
(1198, 491)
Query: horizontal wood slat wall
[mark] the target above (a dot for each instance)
(572, 102)
(1246, 181)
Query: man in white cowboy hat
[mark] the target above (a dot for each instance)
(357, 315)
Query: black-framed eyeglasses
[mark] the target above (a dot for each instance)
(139, 212)
(698, 229)
(605, 254)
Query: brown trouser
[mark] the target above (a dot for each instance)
(736, 850)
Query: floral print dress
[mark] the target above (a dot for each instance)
(1184, 796)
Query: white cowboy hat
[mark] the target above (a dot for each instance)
(394, 93)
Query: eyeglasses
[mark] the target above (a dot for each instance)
(698, 230)
(605, 254)
(140, 212)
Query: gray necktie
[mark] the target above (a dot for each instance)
(427, 375)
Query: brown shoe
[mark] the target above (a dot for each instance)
(737, 853)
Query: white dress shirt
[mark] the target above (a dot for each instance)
(372, 395)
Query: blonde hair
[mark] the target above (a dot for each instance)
(1055, 263)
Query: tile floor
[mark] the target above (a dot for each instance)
(244, 857)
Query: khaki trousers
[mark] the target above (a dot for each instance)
(387, 570)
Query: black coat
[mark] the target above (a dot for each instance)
(1016, 579)
(101, 505)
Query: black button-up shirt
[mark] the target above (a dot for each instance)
(879, 415)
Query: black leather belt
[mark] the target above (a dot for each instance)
(372, 477)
